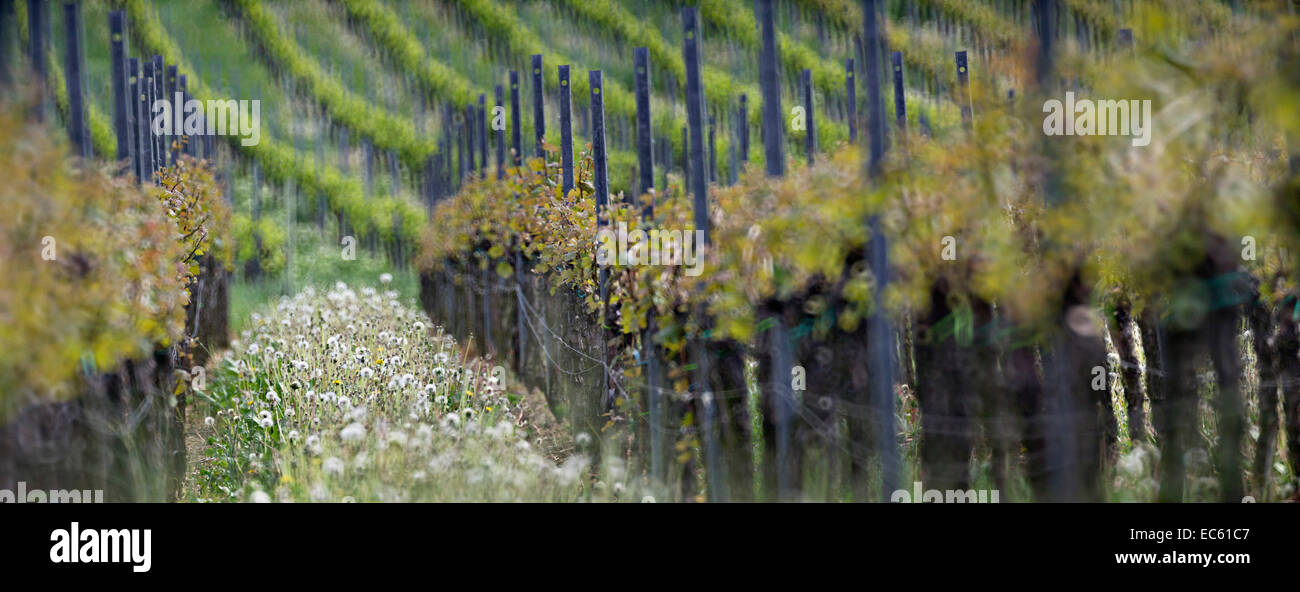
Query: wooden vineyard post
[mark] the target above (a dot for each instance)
(254, 268)
(159, 93)
(851, 85)
(566, 132)
(598, 144)
(649, 351)
(183, 87)
(37, 44)
(900, 103)
(734, 165)
(500, 134)
(461, 149)
(134, 102)
(744, 128)
(468, 129)
(481, 122)
(121, 87)
(644, 148)
(169, 94)
(539, 115)
(963, 88)
(76, 79)
(686, 160)
(516, 156)
(601, 166)
(769, 82)
(810, 135)
(713, 152)
(778, 394)
(429, 181)
(880, 333)
(145, 133)
(695, 117)
(715, 471)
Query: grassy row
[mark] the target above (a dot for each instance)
(378, 404)
(397, 41)
(720, 89)
(400, 43)
(386, 130)
(389, 216)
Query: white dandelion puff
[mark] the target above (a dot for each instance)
(353, 432)
(333, 465)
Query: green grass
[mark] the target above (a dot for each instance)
(316, 261)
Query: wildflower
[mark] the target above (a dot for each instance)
(267, 422)
(208, 421)
(333, 465)
(649, 499)
(386, 278)
(289, 412)
(582, 439)
(293, 435)
(259, 497)
(367, 372)
(353, 432)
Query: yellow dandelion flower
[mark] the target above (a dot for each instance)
(488, 408)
